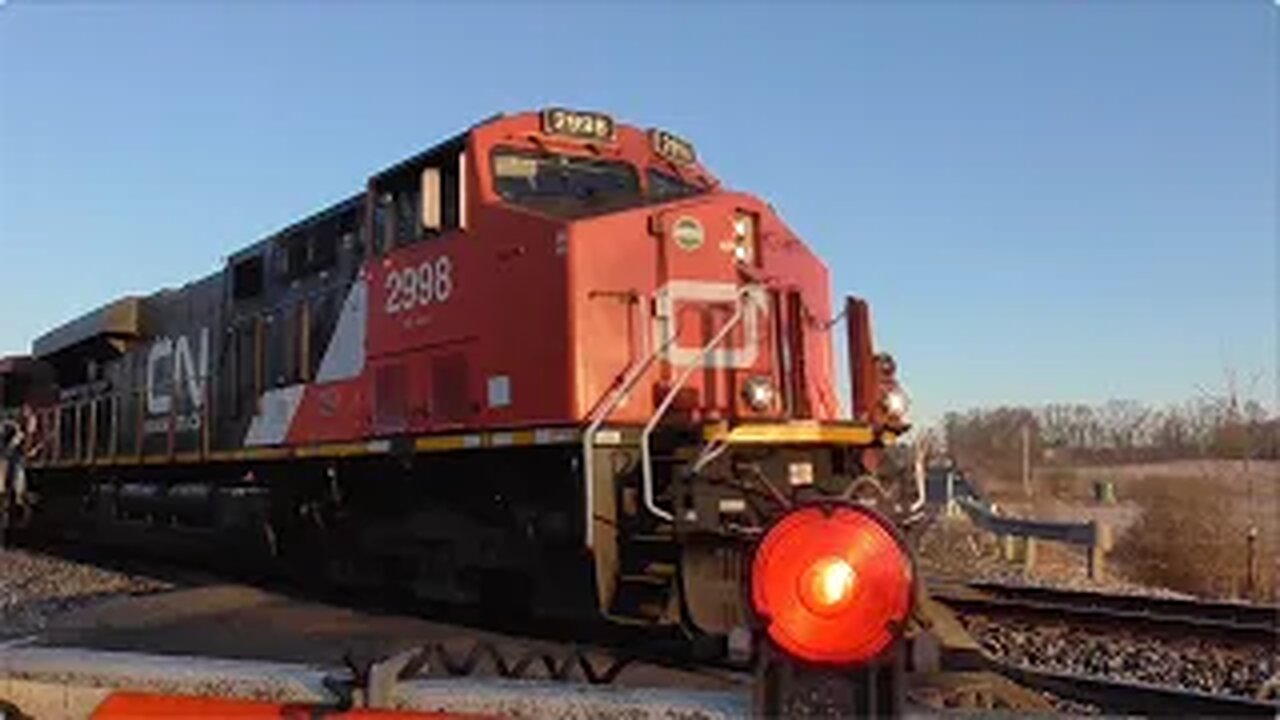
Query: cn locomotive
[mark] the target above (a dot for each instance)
(550, 363)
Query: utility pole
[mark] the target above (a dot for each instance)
(1251, 563)
(1026, 460)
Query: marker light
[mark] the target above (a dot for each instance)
(832, 585)
(744, 238)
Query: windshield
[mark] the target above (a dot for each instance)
(565, 186)
(669, 187)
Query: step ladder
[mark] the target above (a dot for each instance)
(648, 573)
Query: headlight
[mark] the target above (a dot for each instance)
(758, 392)
(897, 403)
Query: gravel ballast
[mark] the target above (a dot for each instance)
(953, 549)
(36, 587)
(1218, 667)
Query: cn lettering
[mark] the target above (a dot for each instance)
(173, 357)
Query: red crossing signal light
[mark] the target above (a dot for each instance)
(833, 584)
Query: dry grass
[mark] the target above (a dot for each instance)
(1191, 533)
(1181, 525)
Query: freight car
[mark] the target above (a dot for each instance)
(550, 364)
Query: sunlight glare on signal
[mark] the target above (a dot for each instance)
(831, 581)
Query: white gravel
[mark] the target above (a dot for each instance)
(35, 587)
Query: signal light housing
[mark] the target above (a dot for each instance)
(833, 584)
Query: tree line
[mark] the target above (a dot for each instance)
(1117, 431)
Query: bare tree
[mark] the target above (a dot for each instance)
(1228, 424)
(1239, 418)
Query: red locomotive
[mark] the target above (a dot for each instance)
(550, 363)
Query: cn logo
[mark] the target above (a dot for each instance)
(172, 358)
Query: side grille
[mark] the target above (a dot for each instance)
(450, 399)
(390, 397)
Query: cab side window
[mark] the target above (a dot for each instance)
(451, 192)
(422, 200)
(314, 248)
(395, 212)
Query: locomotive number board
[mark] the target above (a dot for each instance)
(672, 147)
(577, 124)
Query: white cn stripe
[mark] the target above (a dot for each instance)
(271, 425)
(344, 358)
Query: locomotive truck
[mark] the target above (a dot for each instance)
(550, 363)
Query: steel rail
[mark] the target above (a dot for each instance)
(1259, 623)
(1116, 696)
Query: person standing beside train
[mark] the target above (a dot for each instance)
(17, 438)
(10, 446)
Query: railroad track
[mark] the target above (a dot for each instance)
(1118, 696)
(1235, 625)
(1236, 621)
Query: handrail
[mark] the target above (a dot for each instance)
(92, 430)
(646, 461)
(601, 414)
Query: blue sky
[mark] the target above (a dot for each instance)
(1043, 201)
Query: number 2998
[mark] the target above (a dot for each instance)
(428, 283)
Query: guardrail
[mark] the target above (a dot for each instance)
(1018, 535)
(984, 516)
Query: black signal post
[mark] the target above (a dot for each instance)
(786, 687)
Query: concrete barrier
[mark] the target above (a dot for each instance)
(542, 699)
(70, 683)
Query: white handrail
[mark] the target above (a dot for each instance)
(646, 464)
(600, 415)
